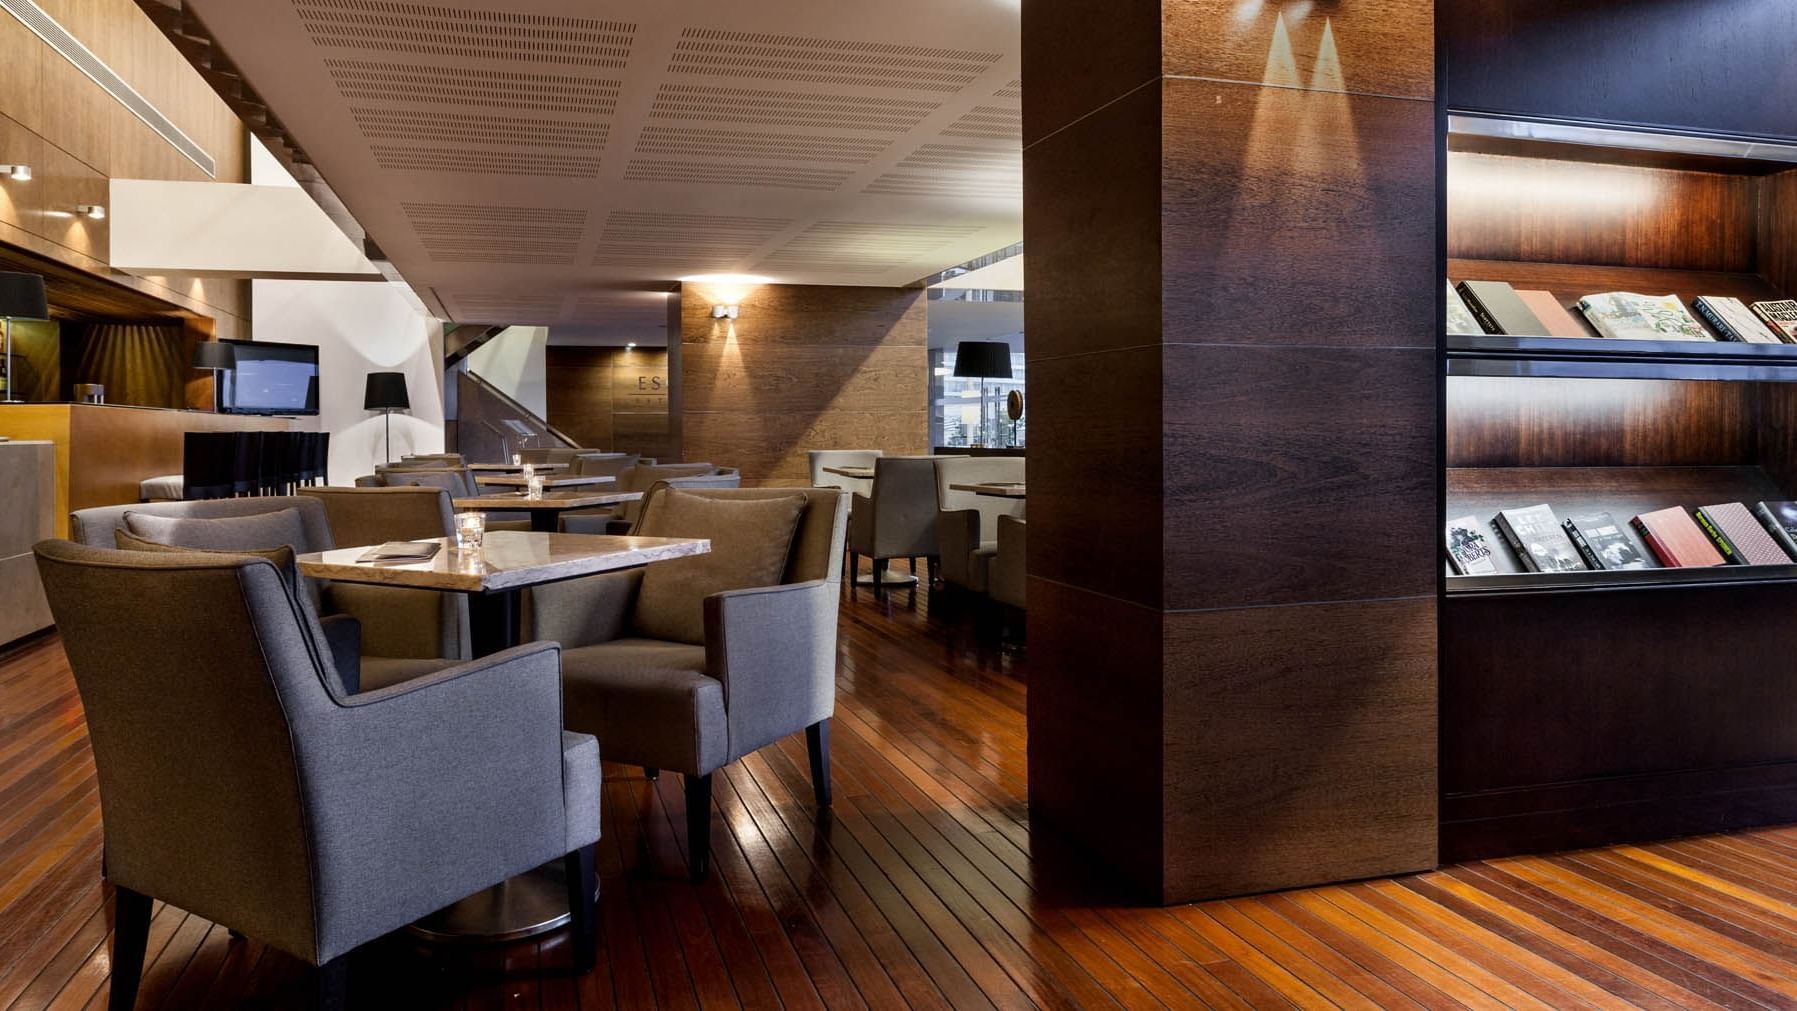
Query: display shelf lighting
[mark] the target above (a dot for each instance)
(17, 173)
(1594, 135)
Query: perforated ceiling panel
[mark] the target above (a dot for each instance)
(720, 104)
(954, 170)
(368, 80)
(857, 247)
(989, 122)
(1012, 90)
(419, 141)
(801, 59)
(697, 144)
(429, 30)
(477, 233)
(715, 242)
(502, 307)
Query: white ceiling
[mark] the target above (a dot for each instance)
(545, 161)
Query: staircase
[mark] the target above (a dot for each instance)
(490, 426)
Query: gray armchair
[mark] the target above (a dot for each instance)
(760, 664)
(640, 478)
(1010, 568)
(403, 633)
(898, 520)
(239, 781)
(966, 523)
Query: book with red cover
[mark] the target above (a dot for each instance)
(1739, 536)
(1552, 314)
(1676, 540)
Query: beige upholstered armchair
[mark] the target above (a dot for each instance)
(240, 780)
(640, 478)
(691, 664)
(966, 523)
(1010, 565)
(824, 458)
(898, 520)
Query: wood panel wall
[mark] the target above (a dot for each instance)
(612, 398)
(76, 137)
(802, 368)
(1232, 223)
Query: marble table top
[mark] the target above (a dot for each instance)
(549, 481)
(513, 468)
(507, 560)
(861, 473)
(558, 500)
(996, 490)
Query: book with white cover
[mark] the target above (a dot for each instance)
(1460, 318)
(1624, 315)
(1732, 320)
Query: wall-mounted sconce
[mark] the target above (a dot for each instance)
(630, 345)
(725, 311)
(17, 173)
(91, 211)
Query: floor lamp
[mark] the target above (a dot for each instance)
(214, 357)
(21, 297)
(982, 360)
(386, 392)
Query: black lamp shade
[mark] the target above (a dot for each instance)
(983, 360)
(22, 296)
(213, 355)
(386, 391)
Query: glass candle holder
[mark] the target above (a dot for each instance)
(517, 458)
(470, 530)
(534, 486)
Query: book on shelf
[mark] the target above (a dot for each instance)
(1732, 320)
(1460, 318)
(1780, 520)
(1499, 309)
(1781, 316)
(1538, 540)
(1624, 315)
(1739, 536)
(1603, 544)
(1469, 550)
(1675, 539)
(1553, 316)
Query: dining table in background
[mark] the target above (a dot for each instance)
(549, 480)
(514, 468)
(546, 512)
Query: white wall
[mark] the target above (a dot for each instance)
(360, 328)
(517, 362)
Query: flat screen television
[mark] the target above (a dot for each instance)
(270, 378)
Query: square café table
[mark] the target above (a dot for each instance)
(546, 512)
(549, 480)
(508, 561)
(513, 468)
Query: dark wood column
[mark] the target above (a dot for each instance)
(1231, 222)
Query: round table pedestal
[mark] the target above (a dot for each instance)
(532, 903)
(892, 579)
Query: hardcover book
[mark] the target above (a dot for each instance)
(1675, 539)
(1624, 315)
(1539, 542)
(1469, 551)
(1781, 317)
(1551, 313)
(1498, 309)
(1780, 520)
(1732, 320)
(1739, 536)
(1460, 318)
(1603, 543)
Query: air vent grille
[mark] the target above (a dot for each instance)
(804, 60)
(774, 176)
(988, 122)
(58, 38)
(649, 238)
(704, 144)
(429, 30)
(778, 108)
(855, 247)
(366, 80)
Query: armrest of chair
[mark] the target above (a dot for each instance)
(402, 622)
(957, 537)
(861, 525)
(343, 634)
(582, 612)
(774, 649)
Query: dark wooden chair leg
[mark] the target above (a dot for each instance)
(582, 927)
(130, 934)
(817, 741)
(913, 563)
(652, 774)
(879, 577)
(330, 985)
(698, 825)
(236, 935)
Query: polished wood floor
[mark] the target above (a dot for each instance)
(919, 889)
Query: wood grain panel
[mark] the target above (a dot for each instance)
(611, 398)
(1297, 217)
(1381, 47)
(1507, 208)
(1778, 230)
(770, 449)
(1081, 55)
(578, 393)
(1298, 475)
(1300, 745)
(1599, 422)
(720, 379)
(796, 315)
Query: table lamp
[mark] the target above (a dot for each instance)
(21, 297)
(386, 392)
(982, 360)
(214, 357)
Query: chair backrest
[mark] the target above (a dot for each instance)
(604, 464)
(199, 674)
(904, 503)
(551, 454)
(363, 516)
(434, 459)
(95, 526)
(821, 458)
(457, 481)
(953, 470)
(817, 544)
(642, 477)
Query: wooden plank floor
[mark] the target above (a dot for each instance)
(919, 890)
